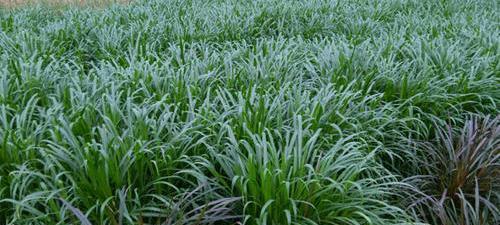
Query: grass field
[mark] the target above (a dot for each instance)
(262, 112)
(60, 3)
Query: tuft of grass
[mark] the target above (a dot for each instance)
(460, 176)
(291, 179)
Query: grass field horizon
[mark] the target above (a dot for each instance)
(262, 112)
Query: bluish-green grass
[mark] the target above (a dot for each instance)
(262, 112)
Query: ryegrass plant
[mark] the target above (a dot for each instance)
(290, 179)
(249, 112)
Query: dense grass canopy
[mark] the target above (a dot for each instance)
(262, 112)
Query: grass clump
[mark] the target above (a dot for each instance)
(290, 179)
(250, 112)
(460, 176)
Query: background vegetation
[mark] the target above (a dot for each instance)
(251, 112)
